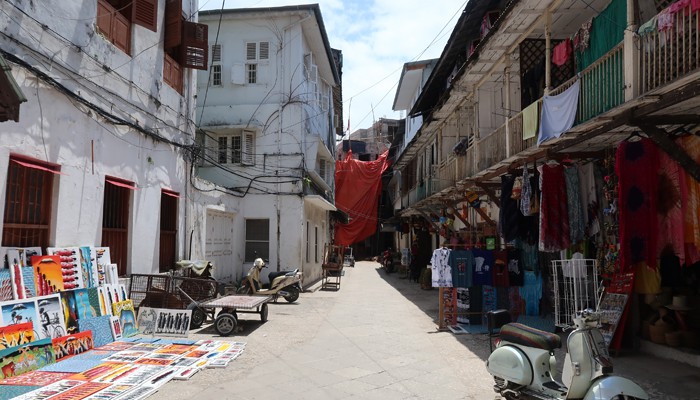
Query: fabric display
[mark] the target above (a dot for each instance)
(669, 207)
(509, 221)
(558, 113)
(441, 270)
(462, 262)
(562, 52)
(483, 263)
(573, 196)
(531, 293)
(515, 272)
(463, 305)
(531, 120)
(600, 35)
(589, 198)
(554, 215)
(500, 268)
(488, 301)
(691, 202)
(636, 168)
(526, 194)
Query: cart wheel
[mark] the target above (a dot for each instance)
(263, 312)
(198, 316)
(225, 324)
(293, 295)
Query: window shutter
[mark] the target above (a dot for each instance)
(248, 148)
(145, 13)
(215, 53)
(105, 17)
(238, 74)
(223, 150)
(173, 24)
(195, 45)
(121, 32)
(322, 169)
(264, 51)
(251, 51)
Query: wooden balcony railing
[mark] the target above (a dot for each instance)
(492, 149)
(602, 85)
(671, 54)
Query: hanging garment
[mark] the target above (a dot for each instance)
(531, 120)
(531, 293)
(529, 257)
(636, 166)
(558, 113)
(500, 268)
(648, 27)
(589, 198)
(502, 301)
(488, 301)
(509, 220)
(554, 214)
(515, 303)
(526, 193)
(462, 262)
(573, 196)
(646, 280)
(483, 262)
(442, 272)
(678, 6)
(669, 213)
(694, 5)
(584, 35)
(515, 271)
(665, 20)
(562, 52)
(463, 305)
(691, 199)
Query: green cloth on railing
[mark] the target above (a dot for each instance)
(606, 32)
(531, 119)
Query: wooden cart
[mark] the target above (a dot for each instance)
(227, 319)
(333, 257)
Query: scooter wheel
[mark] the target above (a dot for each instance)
(293, 295)
(225, 324)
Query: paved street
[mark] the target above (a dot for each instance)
(369, 340)
(375, 338)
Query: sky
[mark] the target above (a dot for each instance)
(376, 37)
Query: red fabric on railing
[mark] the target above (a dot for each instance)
(358, 186)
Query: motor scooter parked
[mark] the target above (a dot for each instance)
(286, 284)
(388, 261)
(523, 364)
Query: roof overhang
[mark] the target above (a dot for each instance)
(11, 95)
(319, 202)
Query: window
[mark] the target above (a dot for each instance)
(308, 243)
(322, 169)
(185, 45)
(316, 243)
(257, 239)
(28, 203)
(216, 65)
(115, 220)
(255, 52)
(168, 230)
(251, 72)
(114, 19)
(237, 148)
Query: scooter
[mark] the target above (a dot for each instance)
(523, 364)
(282, 283)
(388, 261)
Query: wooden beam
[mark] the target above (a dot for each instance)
(491, 194)
(430, 220)
(485, 216)
(660, 137)
(657, 120)
(458, 215)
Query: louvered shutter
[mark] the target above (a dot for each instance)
(248, 147)
(173, 24)
(104, 17)
(215, 53)
(195, 47)
(264, 51)
(251, 51)
(121, 32)
(145, 13)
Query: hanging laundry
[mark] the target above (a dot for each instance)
(554, 214)
(636, 166)
(584, 35)
(665, 20)
(463, 305)
(562, 52)
(690, 194)
(649, 26)
(462, 262)
(678, 6)
(573, 197)
(483, 262)
(526, 193)
(442, 272)
(589, 198)
(531, 120)
(694, 5)
(558, 113)
(669, 212)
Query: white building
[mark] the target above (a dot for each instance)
(98, 153)
(269, 113)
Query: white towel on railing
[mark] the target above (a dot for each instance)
(558, 113)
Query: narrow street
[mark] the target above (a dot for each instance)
(375, 338)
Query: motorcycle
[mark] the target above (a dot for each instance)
(286, 284)
(523, 364)
(388, 261)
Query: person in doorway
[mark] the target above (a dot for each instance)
(415, 265)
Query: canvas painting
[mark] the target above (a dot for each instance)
(102, 259)
(116, 326)
(94, 299)
(35, 378)
(29, 284)
(111, 392)
(69, 257)
(123, 296)
(72, 345)
(105, 307)
(100, 328)
(186, 373)
(82, 303)
(137, 376)
(111, 274)
(127, 356)
(51, 317)
(177, 349)
(101, 370)
(127, 318)
(80, 391)
(70, 311)
(48, 276)
(16, 335)
(19, 311)
(164, 322)
(53, 389)
(88, 265)
(117, 346)
(24, 358)
(15, 266)
(5, 285)
(139, 392)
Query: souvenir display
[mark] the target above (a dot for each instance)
(100, 328)
(88, 265)
(34, 378)
(51, 317)
(16, 335)
(124, 310)
(49, 275)
(20, 311)
(69, 259)
(164, 322)
(72, 345)
(27, 357)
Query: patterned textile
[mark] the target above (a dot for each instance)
(515, 270)
(531, 293)
(526, 194)
(463, 306)
(509, 221)
(526, 336)
(554, 215)
(573, 196)
(589, 198)
(669, 212)
(5, 284)
(691, 200)
(636, 167)
(500, 268)
(562, 52)
(442, 272)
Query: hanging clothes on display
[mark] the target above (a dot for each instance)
(462, 262)
(690, 194)
(558, 113)
(441, 270)
(562, 52)
(589, 198)
(489, 301)
(554, 215)
(463, 306)
(483, 262)
(531, 120)
(636, 167)
(531, 293)
(529, 257)
(573, 196)
(509, 221)
(469, 305)
(526, 193)
(515, 272)
(669, 203)
(500, 268)
(515, 303)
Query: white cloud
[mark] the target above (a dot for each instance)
(376, 37)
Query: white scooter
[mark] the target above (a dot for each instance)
(523, 364)
(282, 283)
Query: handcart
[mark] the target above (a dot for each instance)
(332, 266)
(227, 319)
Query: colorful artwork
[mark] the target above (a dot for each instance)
(70, 311)
(20, 311)
(82, 304)
(162, 377)
(127, 318)
(94, 299)
(88, 265)
(117, 346)
(52, 389)
(102, 259)
(51, 317)
(5, 284)
(111, 392)
(138, 375)
(139, 392)
(100, 370)
(100, 328)
(15, 266)
(27, 357)
(29, 284)
(80, 391)
(72, 345)
(16, 391)
(116, 327)
(16, 335)
(127, 356)
(118, 374)
(69, 258)
(48, 276)
(34, 378)
(176, 349)
(111, 274)
(186, 373)
(105, 307)
(164, 322)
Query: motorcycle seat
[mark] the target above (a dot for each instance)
(528, 336)
(274, 274)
